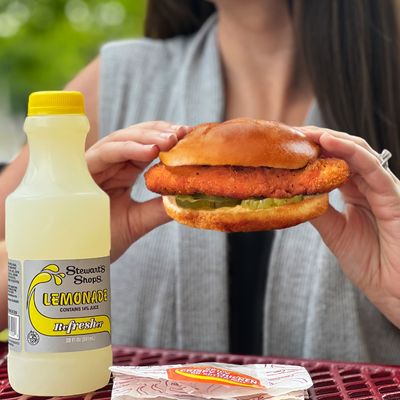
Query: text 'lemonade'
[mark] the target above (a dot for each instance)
(58, 242)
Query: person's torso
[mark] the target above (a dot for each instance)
(170, 289)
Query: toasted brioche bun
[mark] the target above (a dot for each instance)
(240, 219)
(243, 142)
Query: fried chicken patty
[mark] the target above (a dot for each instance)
(319, 176)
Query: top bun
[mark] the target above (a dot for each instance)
(243, 142)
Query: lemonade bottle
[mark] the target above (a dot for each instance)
(58, 242)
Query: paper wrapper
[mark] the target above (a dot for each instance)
(211, 381)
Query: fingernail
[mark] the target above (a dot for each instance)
(152, 146)
(168, 136)
(177, 127)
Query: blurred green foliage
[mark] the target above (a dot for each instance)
(3, 336)
(44, 43)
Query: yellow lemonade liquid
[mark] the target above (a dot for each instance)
(58, 242)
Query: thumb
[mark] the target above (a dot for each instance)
(143, 217)
(330, 226)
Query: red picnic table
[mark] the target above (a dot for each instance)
(332, 380)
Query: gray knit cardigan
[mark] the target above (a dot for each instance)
(170, 288)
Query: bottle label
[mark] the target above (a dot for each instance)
(59, 305)
(14, 305)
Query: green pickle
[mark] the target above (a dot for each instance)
(258, 204)
(200, 201)
(290, 200)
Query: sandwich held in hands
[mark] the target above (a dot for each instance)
(245, 175)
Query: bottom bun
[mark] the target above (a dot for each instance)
(240, 219)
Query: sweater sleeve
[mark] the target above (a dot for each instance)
(134, 77)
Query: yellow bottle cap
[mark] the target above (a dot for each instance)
(55, 102)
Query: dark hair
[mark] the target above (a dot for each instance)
(351, 53)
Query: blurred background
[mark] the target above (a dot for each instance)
(44, 43)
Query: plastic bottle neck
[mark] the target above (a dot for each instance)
(56, 150)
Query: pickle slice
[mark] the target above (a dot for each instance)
(259, 204)
(289, 200)
(199, 201)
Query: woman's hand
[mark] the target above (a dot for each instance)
(365, 238)
(115, 163)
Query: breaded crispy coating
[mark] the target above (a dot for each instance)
(319, 176)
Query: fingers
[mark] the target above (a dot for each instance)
(163, 134)
(143, 217)
(361, 158)
(139, 144)
(372, 186)
(331, 226)
(361, 162)
(165, 140)
(108, 153)
(314, 133)
(137, 220)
